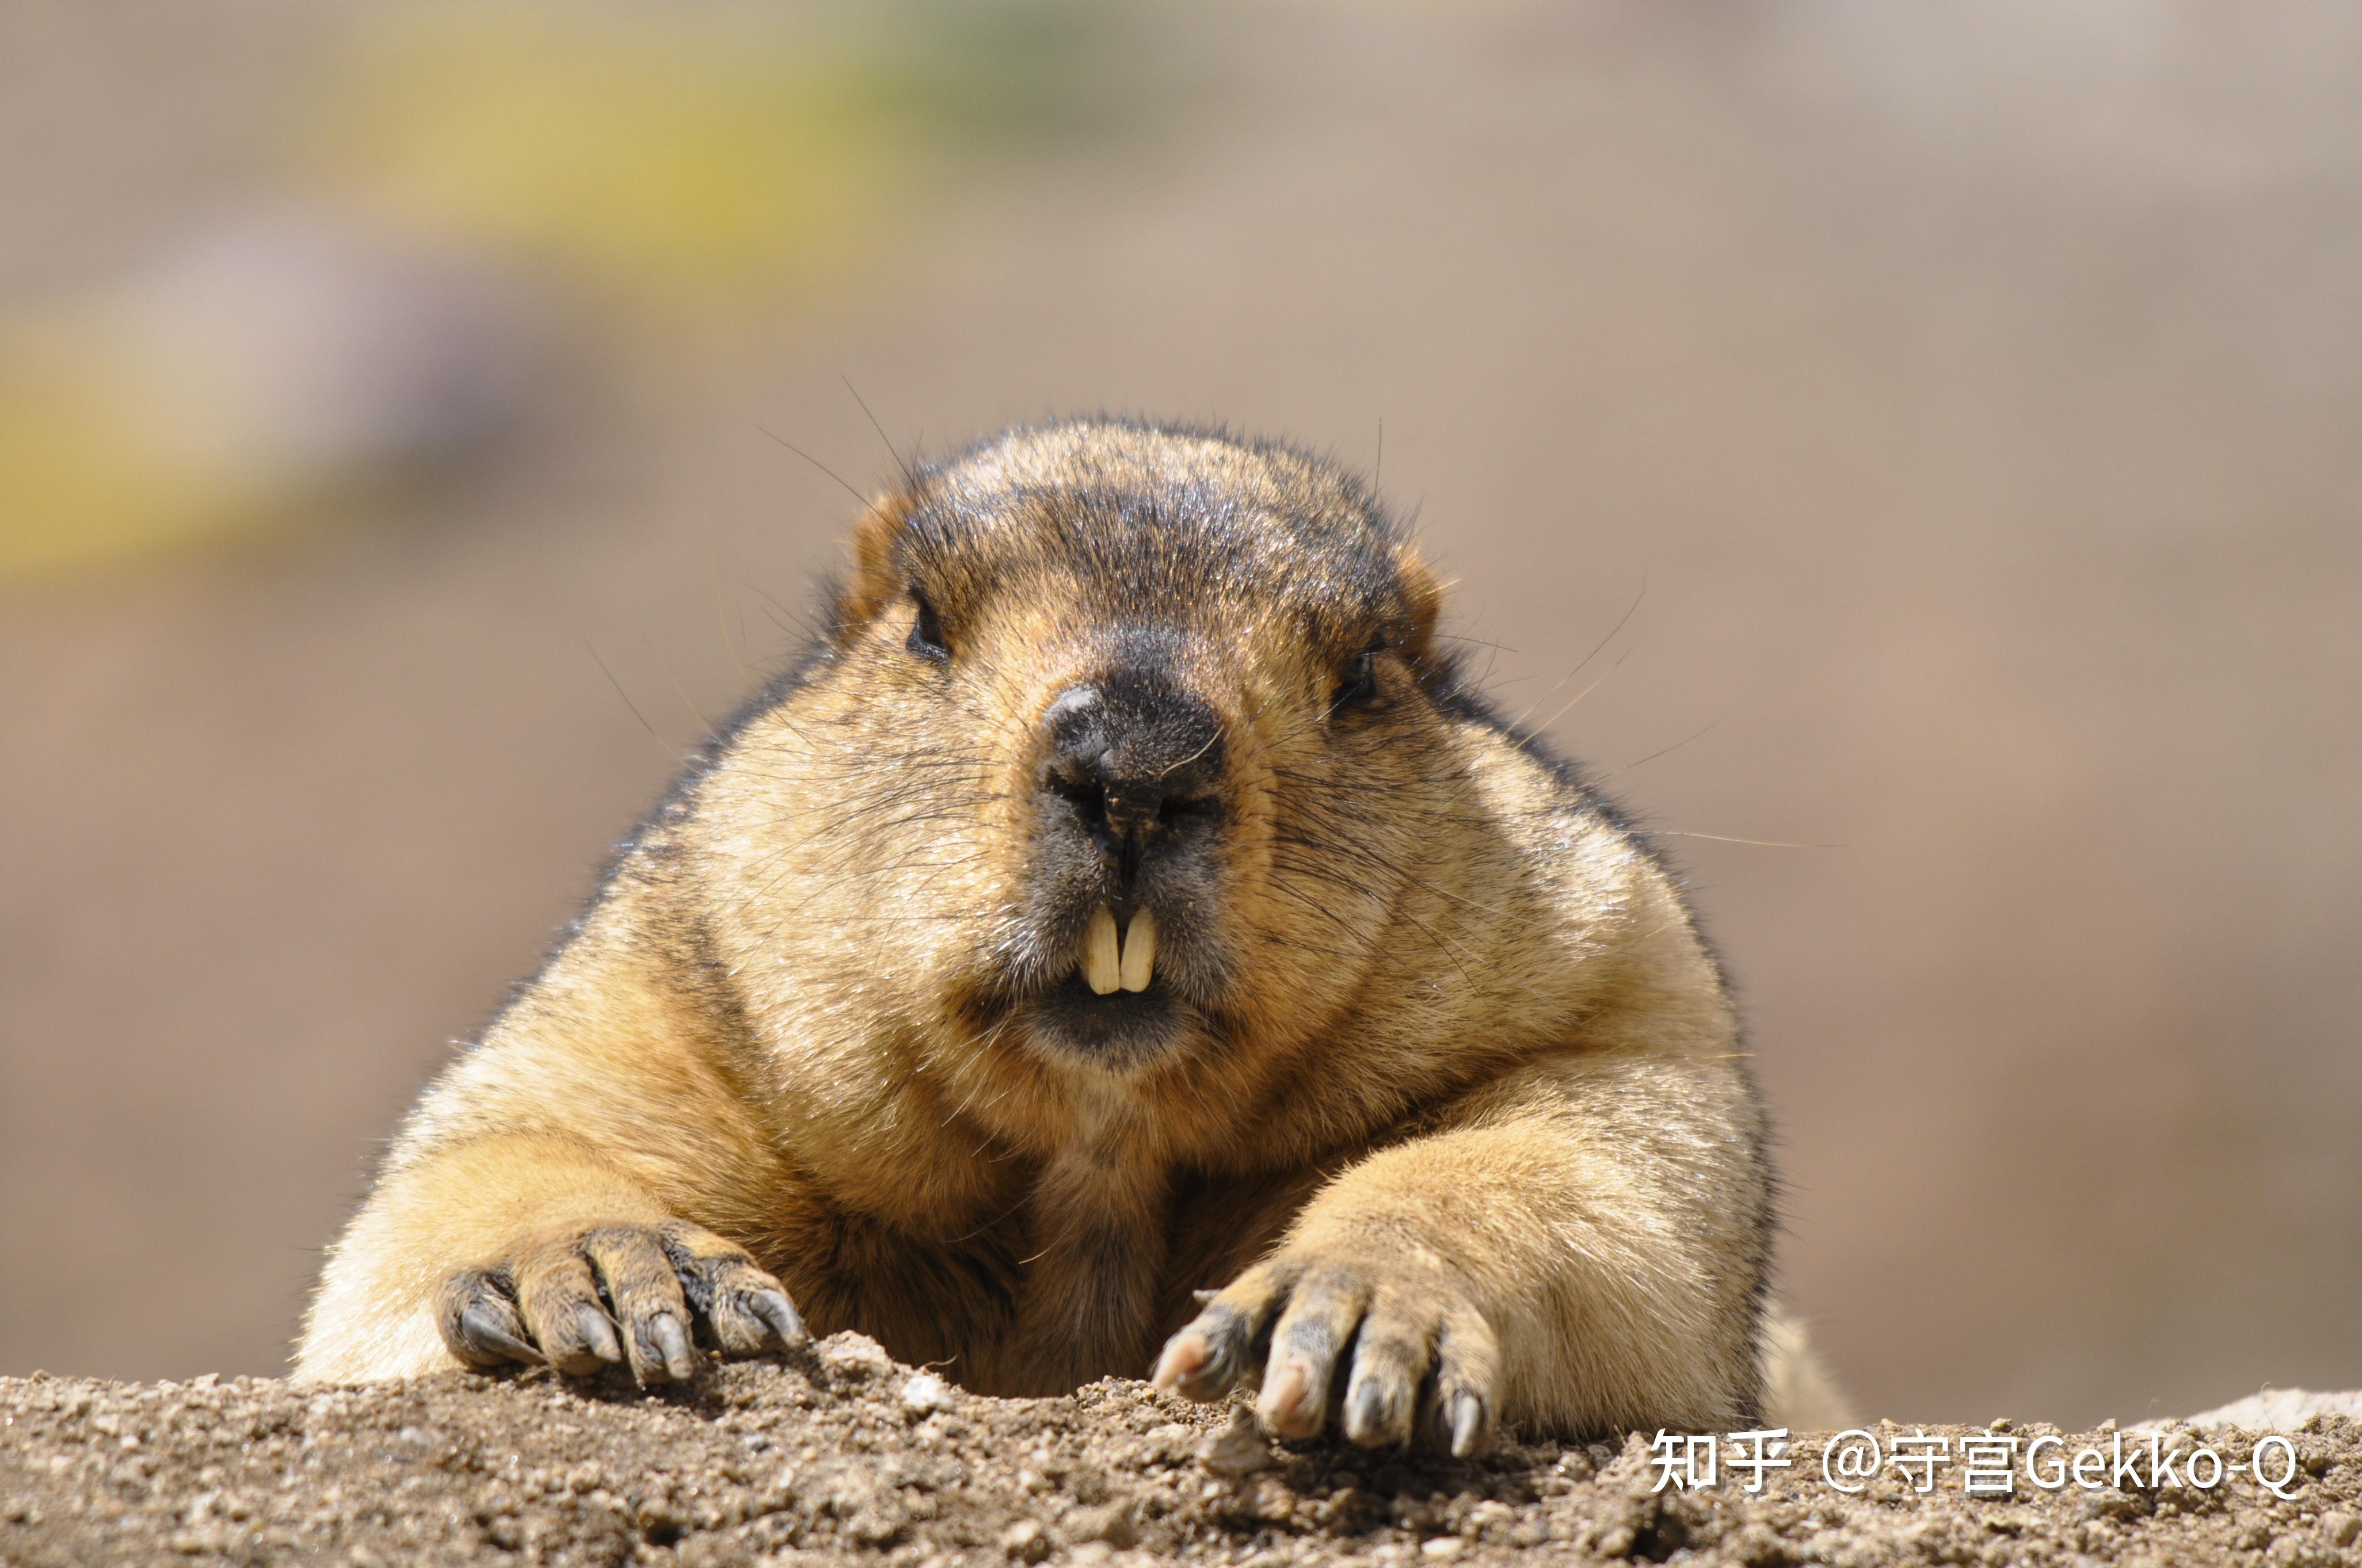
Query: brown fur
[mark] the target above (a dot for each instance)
(1439, 1080)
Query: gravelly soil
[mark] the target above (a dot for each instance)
(840, 1454)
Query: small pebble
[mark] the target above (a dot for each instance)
(925, 1393)
(1239, 1449)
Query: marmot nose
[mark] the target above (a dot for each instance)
(1134, 753)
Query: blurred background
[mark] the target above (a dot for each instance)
(1950, 416)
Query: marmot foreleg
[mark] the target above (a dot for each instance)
(1557, 1254)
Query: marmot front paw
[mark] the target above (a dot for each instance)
(561, 1302)
(1423, 1358)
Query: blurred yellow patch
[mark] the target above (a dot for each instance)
(475, 179)
(262, 366)
(71, 487)
(682, 155)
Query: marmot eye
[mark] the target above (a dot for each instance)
(1360, 687)
(927, 630)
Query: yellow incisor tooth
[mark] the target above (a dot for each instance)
(1139, 952)
(1101, 968)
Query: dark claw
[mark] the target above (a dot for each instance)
(598, 1333)
(1224, 1330)
(778, 1314)
(671, 1341)
(1465, 1414)
(1366, 1410)
(484, 1331)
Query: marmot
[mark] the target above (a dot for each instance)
(1126, 928)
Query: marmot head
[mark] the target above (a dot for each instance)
(1147, 720)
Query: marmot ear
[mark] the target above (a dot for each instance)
(1423, 606)
(874, 584)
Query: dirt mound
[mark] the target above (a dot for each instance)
(841, 1454)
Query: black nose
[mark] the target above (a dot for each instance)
(1137, 756)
